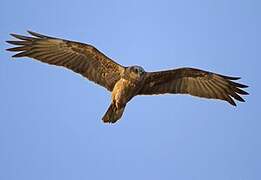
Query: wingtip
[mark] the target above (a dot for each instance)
(242, 85)
(233, 104)
(21, 37)
(240, 91)
(30, 32)
(234, 78)
(21, 54)
(241, 99)
(37, 35)
(9, 42)
(13, 34)
(15, 56)
(8, 49)
(230, 77)
(12, 49)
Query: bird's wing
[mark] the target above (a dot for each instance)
(194, 82)
(78, 57)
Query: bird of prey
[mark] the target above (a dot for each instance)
(125, 82)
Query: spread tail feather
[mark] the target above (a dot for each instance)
(113, 114)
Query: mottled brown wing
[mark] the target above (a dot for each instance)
(78, 57)
(194, 82)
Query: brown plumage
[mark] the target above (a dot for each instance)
(78, 57)
(125, 82)
(194, 82)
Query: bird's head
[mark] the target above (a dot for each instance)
(135, 72)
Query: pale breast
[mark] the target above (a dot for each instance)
(123, 91)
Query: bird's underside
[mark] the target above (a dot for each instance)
(125, 82)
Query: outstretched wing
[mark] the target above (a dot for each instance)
(194, 82)
(78, 57)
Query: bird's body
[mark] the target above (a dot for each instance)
(125, 89)
(125, 82)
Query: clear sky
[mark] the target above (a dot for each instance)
(50, 118)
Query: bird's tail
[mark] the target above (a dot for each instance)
(113, 114)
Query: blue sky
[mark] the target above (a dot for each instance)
(50, 118)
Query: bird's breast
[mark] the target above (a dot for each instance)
(123, 91)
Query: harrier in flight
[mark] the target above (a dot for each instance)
(125, 82)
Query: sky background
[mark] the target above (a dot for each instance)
(50, 118)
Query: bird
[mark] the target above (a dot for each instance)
(125, 82)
